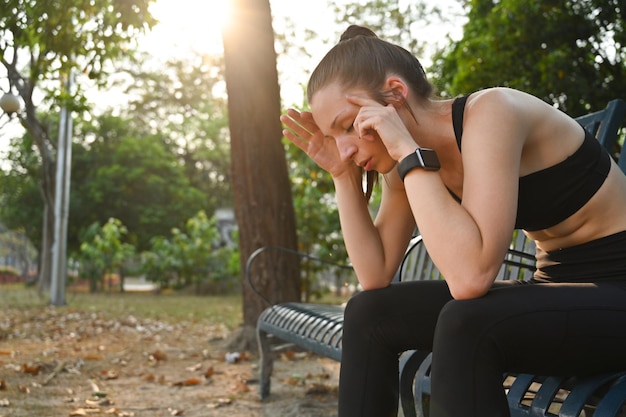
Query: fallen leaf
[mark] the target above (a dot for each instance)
(92, 357)
(176, 412)
(320, 389)
(106, 374)
(294, 380)
(194, 368)
(288, 355)
(187, 382)
(6, 352)
(220, 402)
(5, 403)
(23, 389)
(101, 402)
(3, 385)
(241, 386)
(209, 372)
(318, 376)
(31, 369)
(158, 356)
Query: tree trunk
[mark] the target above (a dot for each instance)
(47, 153)
(260, 182)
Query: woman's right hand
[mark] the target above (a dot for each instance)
(306, 135)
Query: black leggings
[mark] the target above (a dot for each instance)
(546, 329)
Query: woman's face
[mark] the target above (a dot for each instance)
(335, 116)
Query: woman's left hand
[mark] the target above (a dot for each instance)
(373, 117)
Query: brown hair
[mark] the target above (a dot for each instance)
(362, 59)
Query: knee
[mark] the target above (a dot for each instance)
(460, 320)
(364, 308)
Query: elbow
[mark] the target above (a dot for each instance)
(373, 285)
(375, 282)
(470, 287)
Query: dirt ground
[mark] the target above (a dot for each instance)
(74, 363)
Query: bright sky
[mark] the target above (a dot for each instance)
(195, 25)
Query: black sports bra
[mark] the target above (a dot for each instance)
(549, 196)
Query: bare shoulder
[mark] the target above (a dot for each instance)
(502, 100)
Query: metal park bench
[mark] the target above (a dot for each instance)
(318, 328)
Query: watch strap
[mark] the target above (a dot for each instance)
(422, 158)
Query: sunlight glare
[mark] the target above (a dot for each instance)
(194, 25)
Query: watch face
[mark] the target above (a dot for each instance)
(429, 158)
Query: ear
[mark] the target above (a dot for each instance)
(398, 87)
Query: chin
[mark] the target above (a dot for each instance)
(387, 168)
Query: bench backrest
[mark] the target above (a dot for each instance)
(519, 262)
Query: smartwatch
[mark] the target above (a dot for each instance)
(422, 158)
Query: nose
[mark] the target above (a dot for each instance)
(347, 147)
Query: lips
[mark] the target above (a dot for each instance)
(365, 164)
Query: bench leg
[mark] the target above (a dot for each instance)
(266, 364)
(410, 362)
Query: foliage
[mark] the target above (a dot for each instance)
(41, 45)
(57, 36)
(165, 161)
(8, 270)
(390, 19)
(317, 216)
(103, 251)
(122, 172)
(195, 256)
(568, 52)
(182, 103)
(21, 205)
(15, 246)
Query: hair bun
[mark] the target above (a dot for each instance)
(354, 31)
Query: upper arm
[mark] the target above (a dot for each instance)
(494, 135)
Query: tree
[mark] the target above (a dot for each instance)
(194, 256)
(179, 104)
(568, 52)
(103, 253)
(124, 173)
(40, 43)
(391, 19)
(261, 188)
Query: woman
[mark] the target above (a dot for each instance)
(468, 172)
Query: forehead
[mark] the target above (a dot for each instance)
(328, 104)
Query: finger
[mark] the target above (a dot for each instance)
(306, 118)
(364, 125)
(362, 101)
(296, 140)
(296, 127)
(303, 119)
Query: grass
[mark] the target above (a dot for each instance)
(169, 307)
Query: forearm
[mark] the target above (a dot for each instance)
(376, 247)
(464, 246)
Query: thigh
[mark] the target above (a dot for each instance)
(564, 328)
(402, 316)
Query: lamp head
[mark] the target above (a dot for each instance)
(9, 103)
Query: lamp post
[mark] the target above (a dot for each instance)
(61, 204)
